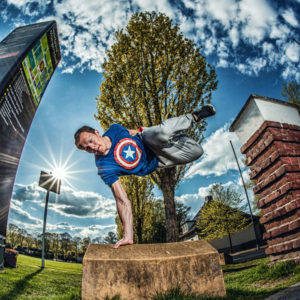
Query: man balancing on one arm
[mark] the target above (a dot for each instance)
(120, 152)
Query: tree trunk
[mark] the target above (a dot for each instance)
(168, 188)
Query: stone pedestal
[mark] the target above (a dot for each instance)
(140, 271)
(273, 154)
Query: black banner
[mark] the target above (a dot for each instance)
(28, 58)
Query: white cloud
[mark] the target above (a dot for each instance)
(289, 16)
(222, 63)
(222, 10)
(292, 52)
(234, 36)
(257, 64)
(218, 157)
(234, 33)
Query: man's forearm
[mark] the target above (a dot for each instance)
(125, 213)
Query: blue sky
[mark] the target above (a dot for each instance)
(250, 42)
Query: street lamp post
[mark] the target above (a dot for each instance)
(256, 239)
(51, 184)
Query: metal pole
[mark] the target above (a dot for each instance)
(257, 246)
(44, 229)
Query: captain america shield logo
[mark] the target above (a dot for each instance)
(127, 154)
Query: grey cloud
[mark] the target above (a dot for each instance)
(16, 213)
(77, 211)
(69, 202)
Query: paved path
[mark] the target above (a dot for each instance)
(290, 293)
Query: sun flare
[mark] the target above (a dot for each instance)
(59, 173)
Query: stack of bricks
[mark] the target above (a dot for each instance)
(273, 154)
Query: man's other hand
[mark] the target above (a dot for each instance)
(133, 132)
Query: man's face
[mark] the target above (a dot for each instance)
(92, 142)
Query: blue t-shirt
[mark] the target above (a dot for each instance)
(127, 156)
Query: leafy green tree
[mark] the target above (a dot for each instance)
(153, 70)
(13, 235)
(84, 244)
(21, 236)
(111, 238)
(291, 92)
(77, 241)
(48, 240)
(29, 241)
(223, 215)
(65, 242)
(157, 232)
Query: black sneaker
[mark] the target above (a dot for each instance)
(206, 111)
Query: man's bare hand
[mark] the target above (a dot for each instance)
(123, 242)
(133, 132)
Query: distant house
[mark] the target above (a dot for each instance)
(241, 240)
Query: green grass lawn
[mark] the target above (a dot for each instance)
(58, 280)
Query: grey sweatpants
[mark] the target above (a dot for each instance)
(170, 142)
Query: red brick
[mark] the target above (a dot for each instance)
(287, 204)
(282, 187)
(272, 225)
(283, 221)
(286, 199)
(261, 203)
(296, 243)
(283, 247)
(270, 157)
(294, 225)
(270, 136)
(293, 255)
(272, 215)
(275, 241)
(269, 251)
(279, 240)
(293, 205)
(280, 230)
(271, 175)
(262, 128)
(266, 235)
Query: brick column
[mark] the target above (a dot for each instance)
(273, 154)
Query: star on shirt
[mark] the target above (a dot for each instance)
(129, 153)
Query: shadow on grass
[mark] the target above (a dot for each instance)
(19, 286)
(242, 294)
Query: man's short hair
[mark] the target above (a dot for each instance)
(78, 132)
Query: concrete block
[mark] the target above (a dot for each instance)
(140, 271)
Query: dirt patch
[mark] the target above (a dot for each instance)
(271, 283)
